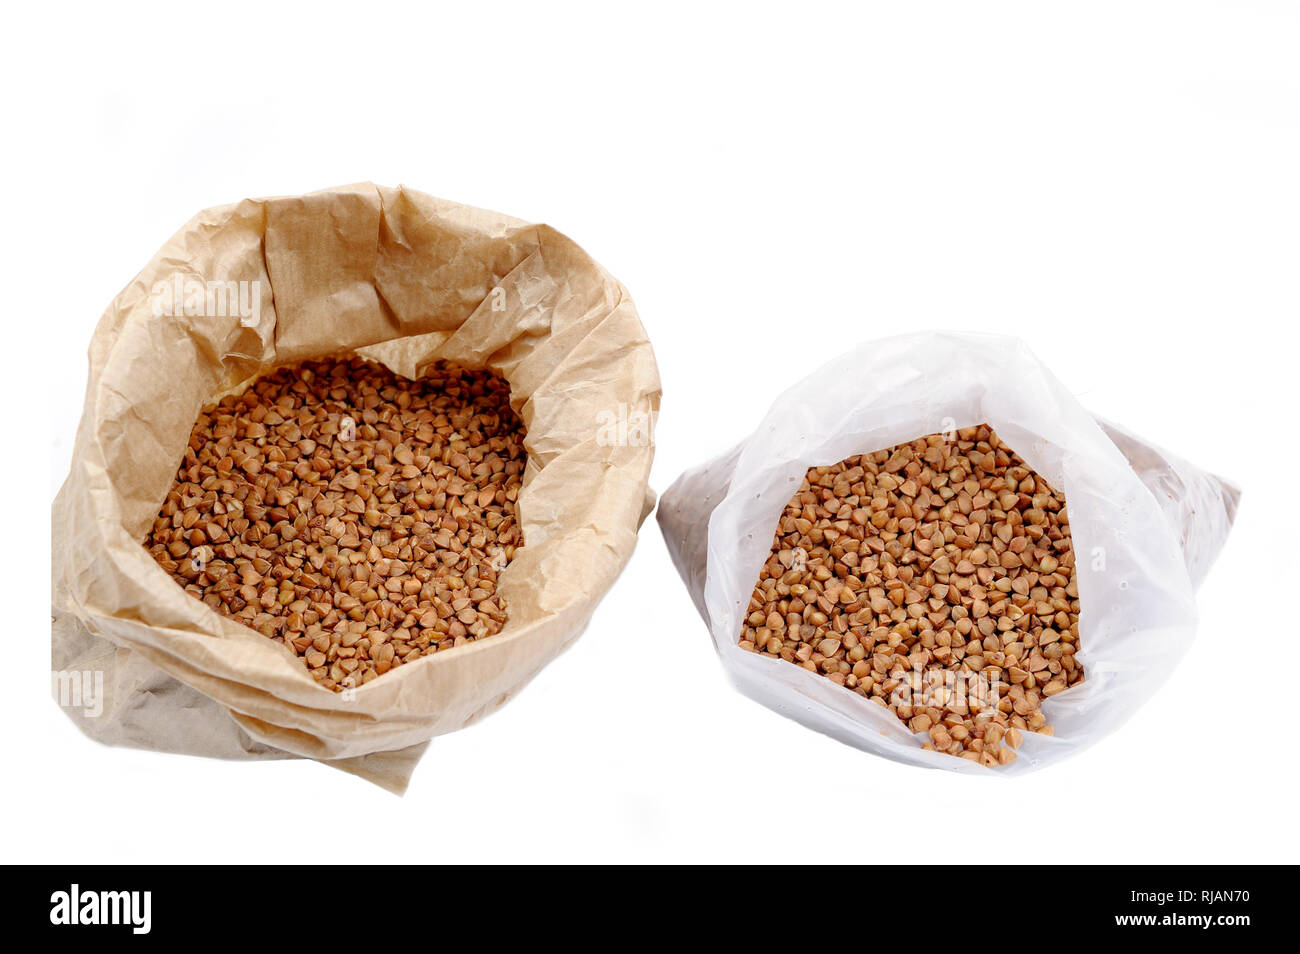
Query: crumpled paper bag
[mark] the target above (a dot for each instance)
(403, 279)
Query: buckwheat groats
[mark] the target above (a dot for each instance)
(936, 578)
(356, 517)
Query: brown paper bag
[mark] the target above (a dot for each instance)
(403, 279)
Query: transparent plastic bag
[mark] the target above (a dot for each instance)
(1145, 525)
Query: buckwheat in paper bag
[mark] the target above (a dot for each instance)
(396, 277)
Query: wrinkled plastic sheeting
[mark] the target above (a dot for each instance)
(1145, 525)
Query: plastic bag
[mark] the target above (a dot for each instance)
(403, 279)
(1145, 528)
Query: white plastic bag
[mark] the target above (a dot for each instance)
(1145, 528)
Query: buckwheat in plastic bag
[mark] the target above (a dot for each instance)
(1145, 526)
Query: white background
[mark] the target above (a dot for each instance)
(1118, 183)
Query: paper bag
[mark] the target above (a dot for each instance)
(396, 277)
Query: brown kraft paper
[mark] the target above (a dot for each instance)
(400, 278)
